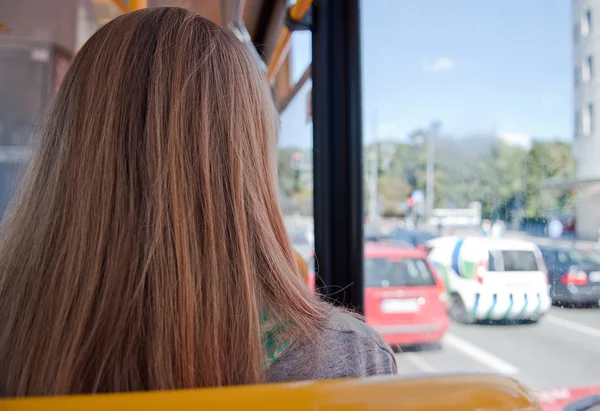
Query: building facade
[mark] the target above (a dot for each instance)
(586, 57)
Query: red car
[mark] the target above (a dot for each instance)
(404, 298)
(570, 399)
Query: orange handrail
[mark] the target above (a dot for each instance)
(132, 5)
(302, 267)
(121, 6)
(297, 13)
(137, 4)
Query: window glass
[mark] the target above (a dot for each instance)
(588, 70)
(516, 260)
(408, 272)
(588, 120)
(570, 257)
(592, 257)
(295, 158)
(586, 23)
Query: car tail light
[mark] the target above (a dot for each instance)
(480, 270)
(443, 296)
(574, 278)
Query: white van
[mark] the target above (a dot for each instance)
(491, 278)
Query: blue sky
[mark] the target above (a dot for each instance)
(479, 66)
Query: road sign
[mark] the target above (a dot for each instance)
(297, 160)
(418, 196)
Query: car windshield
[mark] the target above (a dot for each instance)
(570, 257)
(401, 235)
(423, 237)
(592, 257)
(560, 257)
(408, 272)
(514, 260)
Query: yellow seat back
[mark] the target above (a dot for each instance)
(452, 392)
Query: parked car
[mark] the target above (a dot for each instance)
(399, 243)
(372, 231)
(574, 276)
(418, 238)
(491, 278)
(405, 301)
(570, 399)
(302, 241)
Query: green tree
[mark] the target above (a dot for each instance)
(548, 160)
(285, 171)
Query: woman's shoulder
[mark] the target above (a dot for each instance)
(348, 333)
(343, 321)
(347, 347)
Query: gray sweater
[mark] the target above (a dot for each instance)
(347, 348)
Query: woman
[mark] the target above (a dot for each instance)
(145, 249)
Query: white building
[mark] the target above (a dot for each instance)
(586, 56)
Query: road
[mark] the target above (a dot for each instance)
(563, 349)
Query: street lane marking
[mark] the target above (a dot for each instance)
(418, 362)
(484, 357)
(593, 332)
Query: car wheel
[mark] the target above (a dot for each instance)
(458, 311)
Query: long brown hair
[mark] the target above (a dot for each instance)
(146, 240)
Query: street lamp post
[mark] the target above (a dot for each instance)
(432, 135)
(373, 171)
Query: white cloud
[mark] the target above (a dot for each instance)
(439, 65)
(517, 139)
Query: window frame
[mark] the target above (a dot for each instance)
(587, 70)
(587, 121)
(586, 23)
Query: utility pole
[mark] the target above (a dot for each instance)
(432, 136)
(373, 171)
(524, 200)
